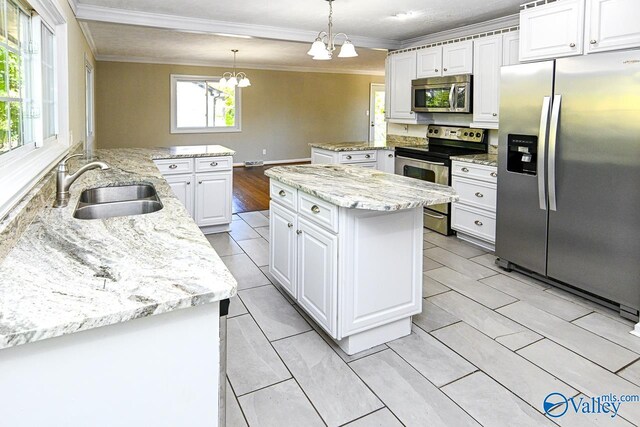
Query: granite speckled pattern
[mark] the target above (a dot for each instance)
(362, 188)
(479, 159)
(66, 275)
(177, 152)
(366, 145)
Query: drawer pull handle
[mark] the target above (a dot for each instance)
(315, 209)
(478, 223)
(465, 170)
(298, 232)
(348, 157)
(214, 163)
(494, 174)
(173, 166)
(282, 193)
(367, 156)
(479, 195)
(289, 225)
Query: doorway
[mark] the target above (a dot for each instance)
(378, 124)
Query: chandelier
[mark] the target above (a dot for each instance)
(322, 49)
(233, 79)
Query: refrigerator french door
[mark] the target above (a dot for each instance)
(574, 218)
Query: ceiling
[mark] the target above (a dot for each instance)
(278, 27)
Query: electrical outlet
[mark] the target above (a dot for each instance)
(264, 151)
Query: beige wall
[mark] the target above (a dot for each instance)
(281, 112)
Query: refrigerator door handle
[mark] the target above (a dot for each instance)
(553, 138)
(542, 147)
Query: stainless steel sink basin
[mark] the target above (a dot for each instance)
(122, 200)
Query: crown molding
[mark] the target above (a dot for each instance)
(84, 27)
(196, 63)
(74, 6)
(482, 27)
(87, 12)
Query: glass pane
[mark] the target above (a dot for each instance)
(222, 108)
(14, 75)
(379, 118)
(419, 173)
(4, 128)
(434, 98)
(12, 24)
(191, 104)
(3, 72)
(461, 92)
(3, 26)
(48, 85)
(15, 124)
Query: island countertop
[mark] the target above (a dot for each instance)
(66, 275)
(365, 145)
(355, 187)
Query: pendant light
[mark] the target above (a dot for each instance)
(233, 79)
(324, 45)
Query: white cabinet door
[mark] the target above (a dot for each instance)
(403, 71)
(386, 161)
(486, 84)
(551, 31)
(317, 273)
(283, 224)
(213, 198)
(429, 62)
(511, 48)
(182, 186)
(457, 58)
(612, 24)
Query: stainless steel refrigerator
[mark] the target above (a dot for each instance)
(569, 175)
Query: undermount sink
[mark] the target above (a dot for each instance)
(121, 200)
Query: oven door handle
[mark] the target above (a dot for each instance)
(434, 216)
(420, 160)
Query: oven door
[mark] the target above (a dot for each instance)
(431, 171)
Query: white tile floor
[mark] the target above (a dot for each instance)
(486, 350)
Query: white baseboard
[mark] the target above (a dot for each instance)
(636, 330)
(277, 162)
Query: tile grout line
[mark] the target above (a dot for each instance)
(236, 398)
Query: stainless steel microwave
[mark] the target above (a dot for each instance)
(451, 94)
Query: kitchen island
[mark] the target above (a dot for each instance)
(112, 321)
(346, 244)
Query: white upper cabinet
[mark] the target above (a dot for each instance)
(551, 31)
(612, 24)
(511, 48)
(457, 58)
(402, 70)
(430, 62)
(486, 84)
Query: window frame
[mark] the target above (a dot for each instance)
(175, 78)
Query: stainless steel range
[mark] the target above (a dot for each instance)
(433, 164)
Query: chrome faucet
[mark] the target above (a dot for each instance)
(65, 180)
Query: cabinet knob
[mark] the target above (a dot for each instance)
(289, 225)
(465, 170)
(446, 69)
(367, 156)
(282, 193)
(572, 45)
(298, 232)
(315, 209)
(494, 174)
(478, 223)
(348, 157)
(436, 70)
(495, 114)
(173, 166)
(593, 41)
(214, 163)
(391, 156)
(188, 182)
(479, 195)
(199, 182)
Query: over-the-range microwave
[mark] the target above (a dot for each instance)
(451, 94)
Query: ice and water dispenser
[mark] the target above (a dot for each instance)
(522, 154)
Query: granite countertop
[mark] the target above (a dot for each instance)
(366, 145)
(66, 275)
(362, 188)
(189, 151)
(480, 159)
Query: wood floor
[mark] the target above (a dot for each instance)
(251, 189)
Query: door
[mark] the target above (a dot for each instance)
(612, 24)
(486, 85)
(378, 122)
(511, 48)
(403, 71)
(213, 198)
(457, 58)
(183, 189)
(521, 230)
(552, 30)
(429, 62)
(593, 232)
(317, 273)
(282, 247)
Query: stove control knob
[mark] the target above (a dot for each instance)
(466, 134)
(478, 135)
(436, 131)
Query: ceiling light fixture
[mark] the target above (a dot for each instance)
(235, 79)
(322, 49)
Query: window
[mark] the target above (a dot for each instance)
(199, 104)
(48, 84)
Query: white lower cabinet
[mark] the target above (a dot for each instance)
(328, 258)
(473, 217)
(383, 160)
(204, 185)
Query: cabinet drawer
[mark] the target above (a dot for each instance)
(283, 194)
(320, 212)
(474, 171)
(476, 193)
(174, 166)
(475, 222)
(211, 164)
(357, 156)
